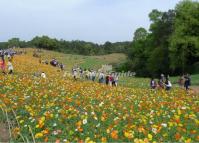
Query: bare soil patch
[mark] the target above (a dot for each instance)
(4, 133)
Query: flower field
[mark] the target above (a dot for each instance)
(58, 109)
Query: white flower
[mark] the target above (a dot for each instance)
(95, 118)
(54, 125)
(116, 118)
(154, 130)
(183, 108)
(55, 132)
(93, 113)
(32, 120)
(101, 104)
(151, 122)
(98, 125)
(164, 124)
(85, 121)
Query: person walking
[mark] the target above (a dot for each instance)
(153, 83)
(187, 82)
(10, 67)
(3, 63)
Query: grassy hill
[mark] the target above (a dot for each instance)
(92, 62)
(59, 109)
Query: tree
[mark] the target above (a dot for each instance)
(184, 43)
(140, 34)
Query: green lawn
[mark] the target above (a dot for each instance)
(145, 82)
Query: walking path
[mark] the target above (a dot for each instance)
(195, 89)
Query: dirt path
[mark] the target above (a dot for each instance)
(4, 133)
(195, 89)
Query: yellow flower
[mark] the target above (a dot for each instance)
(38, 135)
(150, 137)
(188, 141)
(129, 134)
(21, 121)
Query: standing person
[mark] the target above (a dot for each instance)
(116, 78)
(168, 84)
(75, 74)
(110, 80)
(3, 63)
(153, 83)
(43, 75)
(10, 67)
(86, 74)
(181, 81)
(107, 79)
(113, 80)
(61, 66)
(101, 77)
(81, 72)
(187, 82)
(93, 75)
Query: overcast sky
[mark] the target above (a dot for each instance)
(89, 20)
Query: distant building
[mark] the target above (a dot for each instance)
(106, 68)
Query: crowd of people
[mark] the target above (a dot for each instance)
(165, 83)
(110, 79)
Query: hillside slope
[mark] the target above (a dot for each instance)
(92, 62)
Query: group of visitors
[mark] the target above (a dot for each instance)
(53, 63)
(110, 79)
(3, 55)
(163, 83)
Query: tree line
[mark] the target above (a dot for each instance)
(72, 47)
(170, 46)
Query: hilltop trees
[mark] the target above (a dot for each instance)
(185, 38)
(171, 45)
(72, 47)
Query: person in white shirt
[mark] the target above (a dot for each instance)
(43, 75)
(168, 84)
(10, 67)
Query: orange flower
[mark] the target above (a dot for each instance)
(114, 134)
(177, 136)
(46, 139)
(104, 139)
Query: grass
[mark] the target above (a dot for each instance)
(194, 79)
(89, 62)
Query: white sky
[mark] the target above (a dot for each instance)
(89, 20)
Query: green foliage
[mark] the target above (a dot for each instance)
(185, 38)
(72, 47)
(172, 44)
